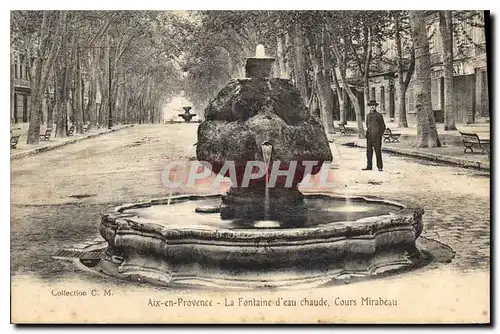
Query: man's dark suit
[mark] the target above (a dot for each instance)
(375, 127)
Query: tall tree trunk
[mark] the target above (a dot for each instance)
(51, 103)
(409, 74)
(103, 88)
(141, 111)
(403, 82)
(61, 70)
(151, 103)
(312, 102)
(281, 58)
(352, 97)
(344, 106)
(124, 103)
(36, 101)
(426, 126)
(115, 90)
(363, 63)
(327, 87)
(78, 111)
(43, 62)
(299, 63)
(55, 100)
(343, 71)
(85, 106)
(68, 109)
(402, 119)
(128, 112)
(92, 93)
(71, 70)
(72, 101)
(324, 102)
(340, 97)
(101, 110)
(108, 83)
(287, 54)
(366, 95)
(446, 27)
(148, 103)
(368, 40)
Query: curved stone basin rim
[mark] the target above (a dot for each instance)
(179, 251)
(175, 199)
(409, 216)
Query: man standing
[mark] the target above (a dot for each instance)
(375, 127)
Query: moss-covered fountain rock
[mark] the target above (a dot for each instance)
(251, 112)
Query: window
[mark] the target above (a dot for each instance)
(461, 41)
(21, 67)
(391, 52)
(410, 99)
(438, 42)
(26, 67)
(372, 97)
(377, 49)
(382, 98)
(435, 90)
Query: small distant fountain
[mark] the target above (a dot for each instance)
(187, 116)
(261, 236)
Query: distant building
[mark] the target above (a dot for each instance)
(470, 80)
(20, 87)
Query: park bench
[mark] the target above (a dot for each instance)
(46, 135)
(14, 140)
(472, 139)
(390, 136)
(345, 130)
(71, 131)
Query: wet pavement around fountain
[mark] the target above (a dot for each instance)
(57, 196)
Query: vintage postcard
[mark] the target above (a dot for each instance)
(250, 167)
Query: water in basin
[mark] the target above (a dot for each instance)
(321, 210)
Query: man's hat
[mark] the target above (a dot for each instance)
(373, 103)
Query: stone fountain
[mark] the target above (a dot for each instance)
(256, 235)
(249, 117)
(187, 116)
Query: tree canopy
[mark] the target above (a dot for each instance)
(128, 64)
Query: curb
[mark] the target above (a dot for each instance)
(72, 141)
(435, 157)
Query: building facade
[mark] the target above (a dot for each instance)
(20, 87)
(470, 81)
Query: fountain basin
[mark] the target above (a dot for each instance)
(174, 245)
